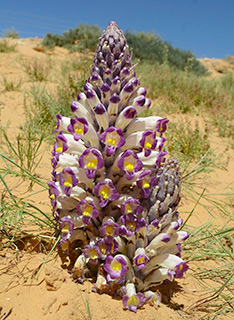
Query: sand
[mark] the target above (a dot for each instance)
(25, 295)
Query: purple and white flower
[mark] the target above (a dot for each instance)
(133, 300)
(66, 226)
(112, 138)
(87, 210)
(78, 127)
(131, 206)
(109, 228)
(129, 163)
(116, 268)
(68, 180)
(105, 191)
(91, 160)
(92, 253)
(140, 259)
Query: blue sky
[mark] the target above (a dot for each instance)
(205, 27)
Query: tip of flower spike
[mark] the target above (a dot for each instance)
(113, 40)
(112, 30)
(112, 24)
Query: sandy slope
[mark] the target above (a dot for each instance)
(218, 67)
(53, 295)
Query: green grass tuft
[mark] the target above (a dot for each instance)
(37, 70)
(209, 242)
(5, 47)
(10, 85)
(186, 142)
(26, 150)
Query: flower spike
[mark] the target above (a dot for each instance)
(113, 192)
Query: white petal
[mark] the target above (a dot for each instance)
(132, 141)
(155, 297)
(82, 112)
(168, 261)
(103, 120)
(156, 277)
(75, 147)
(66, 203)
(84, 101)
(64, 122)
(113, 108)
(150, 160)
(67, 160)
(122, 121)
(92, 137)
(130, 289)
(78, 192)
(82, 177)
(79, 266)
(143, 124)
(157, 242)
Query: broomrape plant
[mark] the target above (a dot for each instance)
(113, 192)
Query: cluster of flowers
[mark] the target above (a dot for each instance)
(113, 193)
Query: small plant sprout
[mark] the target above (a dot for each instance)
(113, 192)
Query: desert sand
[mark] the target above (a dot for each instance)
(25, 295)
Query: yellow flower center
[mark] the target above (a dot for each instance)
(52, 196)
(64, 246)
(104, 192)
(59, 149)
(93, 254)
(103, 249)
(65, 229)
(112, 247)
(128, 208)
(133, 300)
(131, 225)
(92, 164)
(79, 128)
(145, 184)
(109, 230)
(141, 260)
(128, 166)
(116, 266)
(88, 210)
(111, 141)
(147, 145)
(68, 182)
